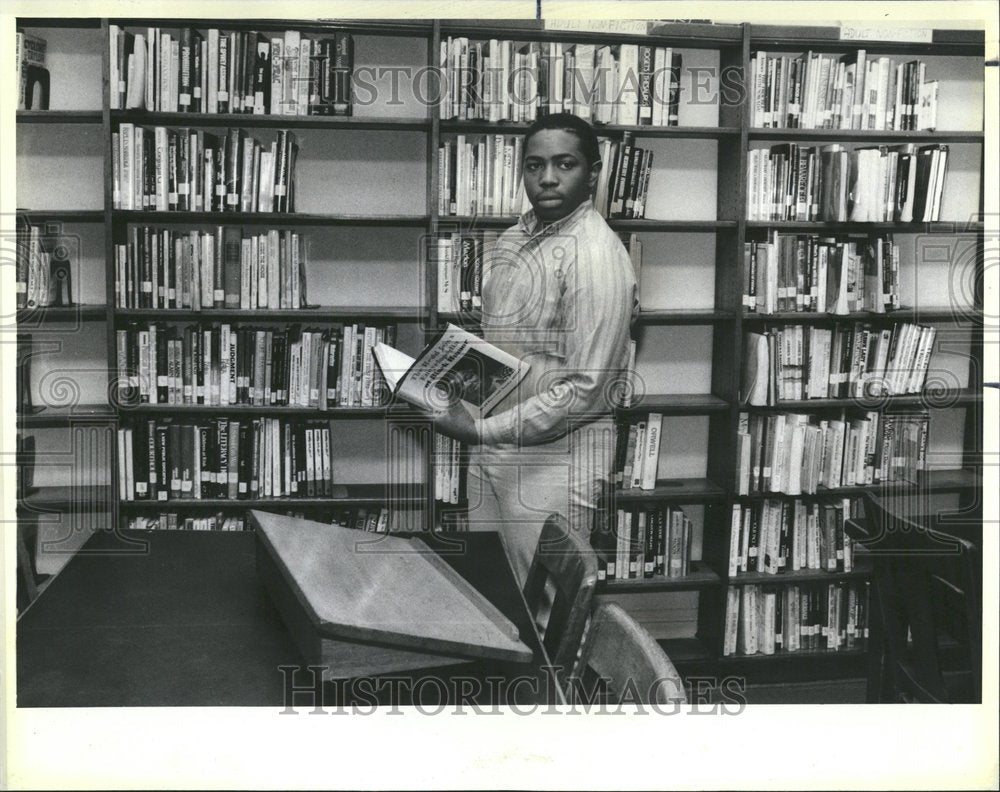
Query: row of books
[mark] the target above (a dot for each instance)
(450, 466)
(776, 536)
(637, 452)
(372, 519)
(161, 169)
(163, 268)
(459, 259)
(901, 183)
(795, 453)
(807, 272)
(231, 72)
(803, 618)
(856, 91)
(481, 177)
(502, 80)
(221, 365)
(37, 256)
(224, 458)
(484, 177)
(29, 53)
(644, 544)
(628, 169)
(797, 362)
(171, 521)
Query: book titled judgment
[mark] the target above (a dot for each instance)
(456, 366)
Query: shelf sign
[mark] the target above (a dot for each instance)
(630, 26)
(916, 35)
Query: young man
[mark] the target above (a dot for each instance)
(559, 292)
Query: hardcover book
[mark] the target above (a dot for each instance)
(458, 365)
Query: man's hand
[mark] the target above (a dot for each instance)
(456, 422)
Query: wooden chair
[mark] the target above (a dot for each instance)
(926, 614)
(562, 575)
(621, 662)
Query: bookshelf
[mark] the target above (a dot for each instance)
(364, 267)
(63, 431)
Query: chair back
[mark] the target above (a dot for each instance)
(926, 625)
(621, 662)
(27, 588)
(562, 575)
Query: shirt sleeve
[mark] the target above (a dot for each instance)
(599, 305)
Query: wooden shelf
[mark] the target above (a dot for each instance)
(344, 495)
(59, 22)
(267, 120)
(267, 218)
(790, 577)
(866, 135)
(940, 227)
(671, 225)
(676, 404)
(939, 481)
(688, 35)
(403, 313)
(827, 39)
(620, 224)
(64, 215)
(59, 116)
(183, 411)
(800, 656)
(673, 316)
(941, 314)
(700, 577)
(685, 490)
(64, 416)
(66, 499)
(75, 313)
(454, 126)
(961, 398)
(366, 27)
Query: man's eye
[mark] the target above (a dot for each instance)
(567, 165)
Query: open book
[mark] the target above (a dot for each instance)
(457, 366)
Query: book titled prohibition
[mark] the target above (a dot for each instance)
(456, 366)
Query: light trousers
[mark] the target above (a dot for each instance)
(514, 490)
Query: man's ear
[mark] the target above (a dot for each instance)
(594, 175)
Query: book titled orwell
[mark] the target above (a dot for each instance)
(457, 366)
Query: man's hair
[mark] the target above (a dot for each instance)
(572, 124)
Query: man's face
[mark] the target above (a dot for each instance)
(556, 177)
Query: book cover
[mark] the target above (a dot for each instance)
(458, 365)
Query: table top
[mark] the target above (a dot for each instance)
(179, 618)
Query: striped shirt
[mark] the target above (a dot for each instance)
(561, 297)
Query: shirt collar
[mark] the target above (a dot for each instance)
(533, 228)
